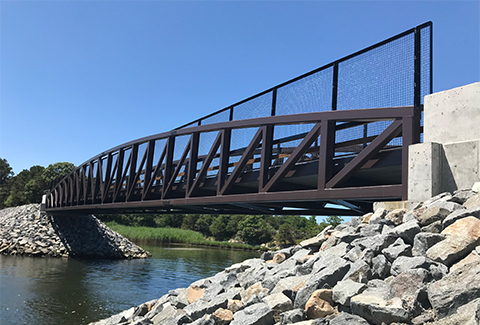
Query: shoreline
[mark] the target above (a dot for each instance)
(419, 266)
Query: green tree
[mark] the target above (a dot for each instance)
(27, 187)
(189, 221)
(255, 230)
(55, 172)
(36, 186)
(169, 220)
(203, 224)
(312, 228)
(5, 171)
(232, 224)
(218, 228)
(334, 220)
(272, 221)
(285, 235)
(330, 221)
(6, 175)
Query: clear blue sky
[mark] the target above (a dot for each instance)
(80, 77)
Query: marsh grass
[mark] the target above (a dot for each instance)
(171, 235)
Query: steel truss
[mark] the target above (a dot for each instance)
(308, 177)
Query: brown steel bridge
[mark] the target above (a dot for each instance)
(329, 142)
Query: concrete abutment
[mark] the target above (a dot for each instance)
(449, 157)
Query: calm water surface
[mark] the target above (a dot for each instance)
(47, 291)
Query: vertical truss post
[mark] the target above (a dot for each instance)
(74, 188)
(100, 181)
(119, 174)
(274, 102)
(84, 184)
(431, 59)
(69, 190)
(77, 183)
(108, 177)
(91, 182)
(326, 153)
(224, 158)
(168, 163)
(192, 166)
(365, 135)
(335, 86)
(68, 202)
(56, 196)
(266, 158)
(64, 192)
(148, 167)
(133, 170)
(417, 69)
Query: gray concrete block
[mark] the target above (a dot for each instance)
(452, 115)
(424, 171)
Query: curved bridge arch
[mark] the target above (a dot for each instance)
(255, 157)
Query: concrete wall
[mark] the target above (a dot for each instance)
(460, 165)
(449, 158)
(424, 171)
(453, 115)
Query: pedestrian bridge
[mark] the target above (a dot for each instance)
(329, 142)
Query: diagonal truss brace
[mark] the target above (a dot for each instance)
(392, 131)
(242, 162)
(294, 157)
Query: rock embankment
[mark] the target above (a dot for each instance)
(419, 266)
(24, 231)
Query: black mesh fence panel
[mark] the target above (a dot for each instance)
(307, 95)
(382, 75)
(257, 107)
(219, 117)
(180, 145)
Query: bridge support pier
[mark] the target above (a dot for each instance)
(449, 157)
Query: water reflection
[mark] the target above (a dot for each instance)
(66, 291)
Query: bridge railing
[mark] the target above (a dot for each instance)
(169, 169)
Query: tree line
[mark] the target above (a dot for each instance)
(250, 229)
(30, 184)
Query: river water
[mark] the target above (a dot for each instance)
(48, 291)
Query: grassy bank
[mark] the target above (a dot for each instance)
(171, 235)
